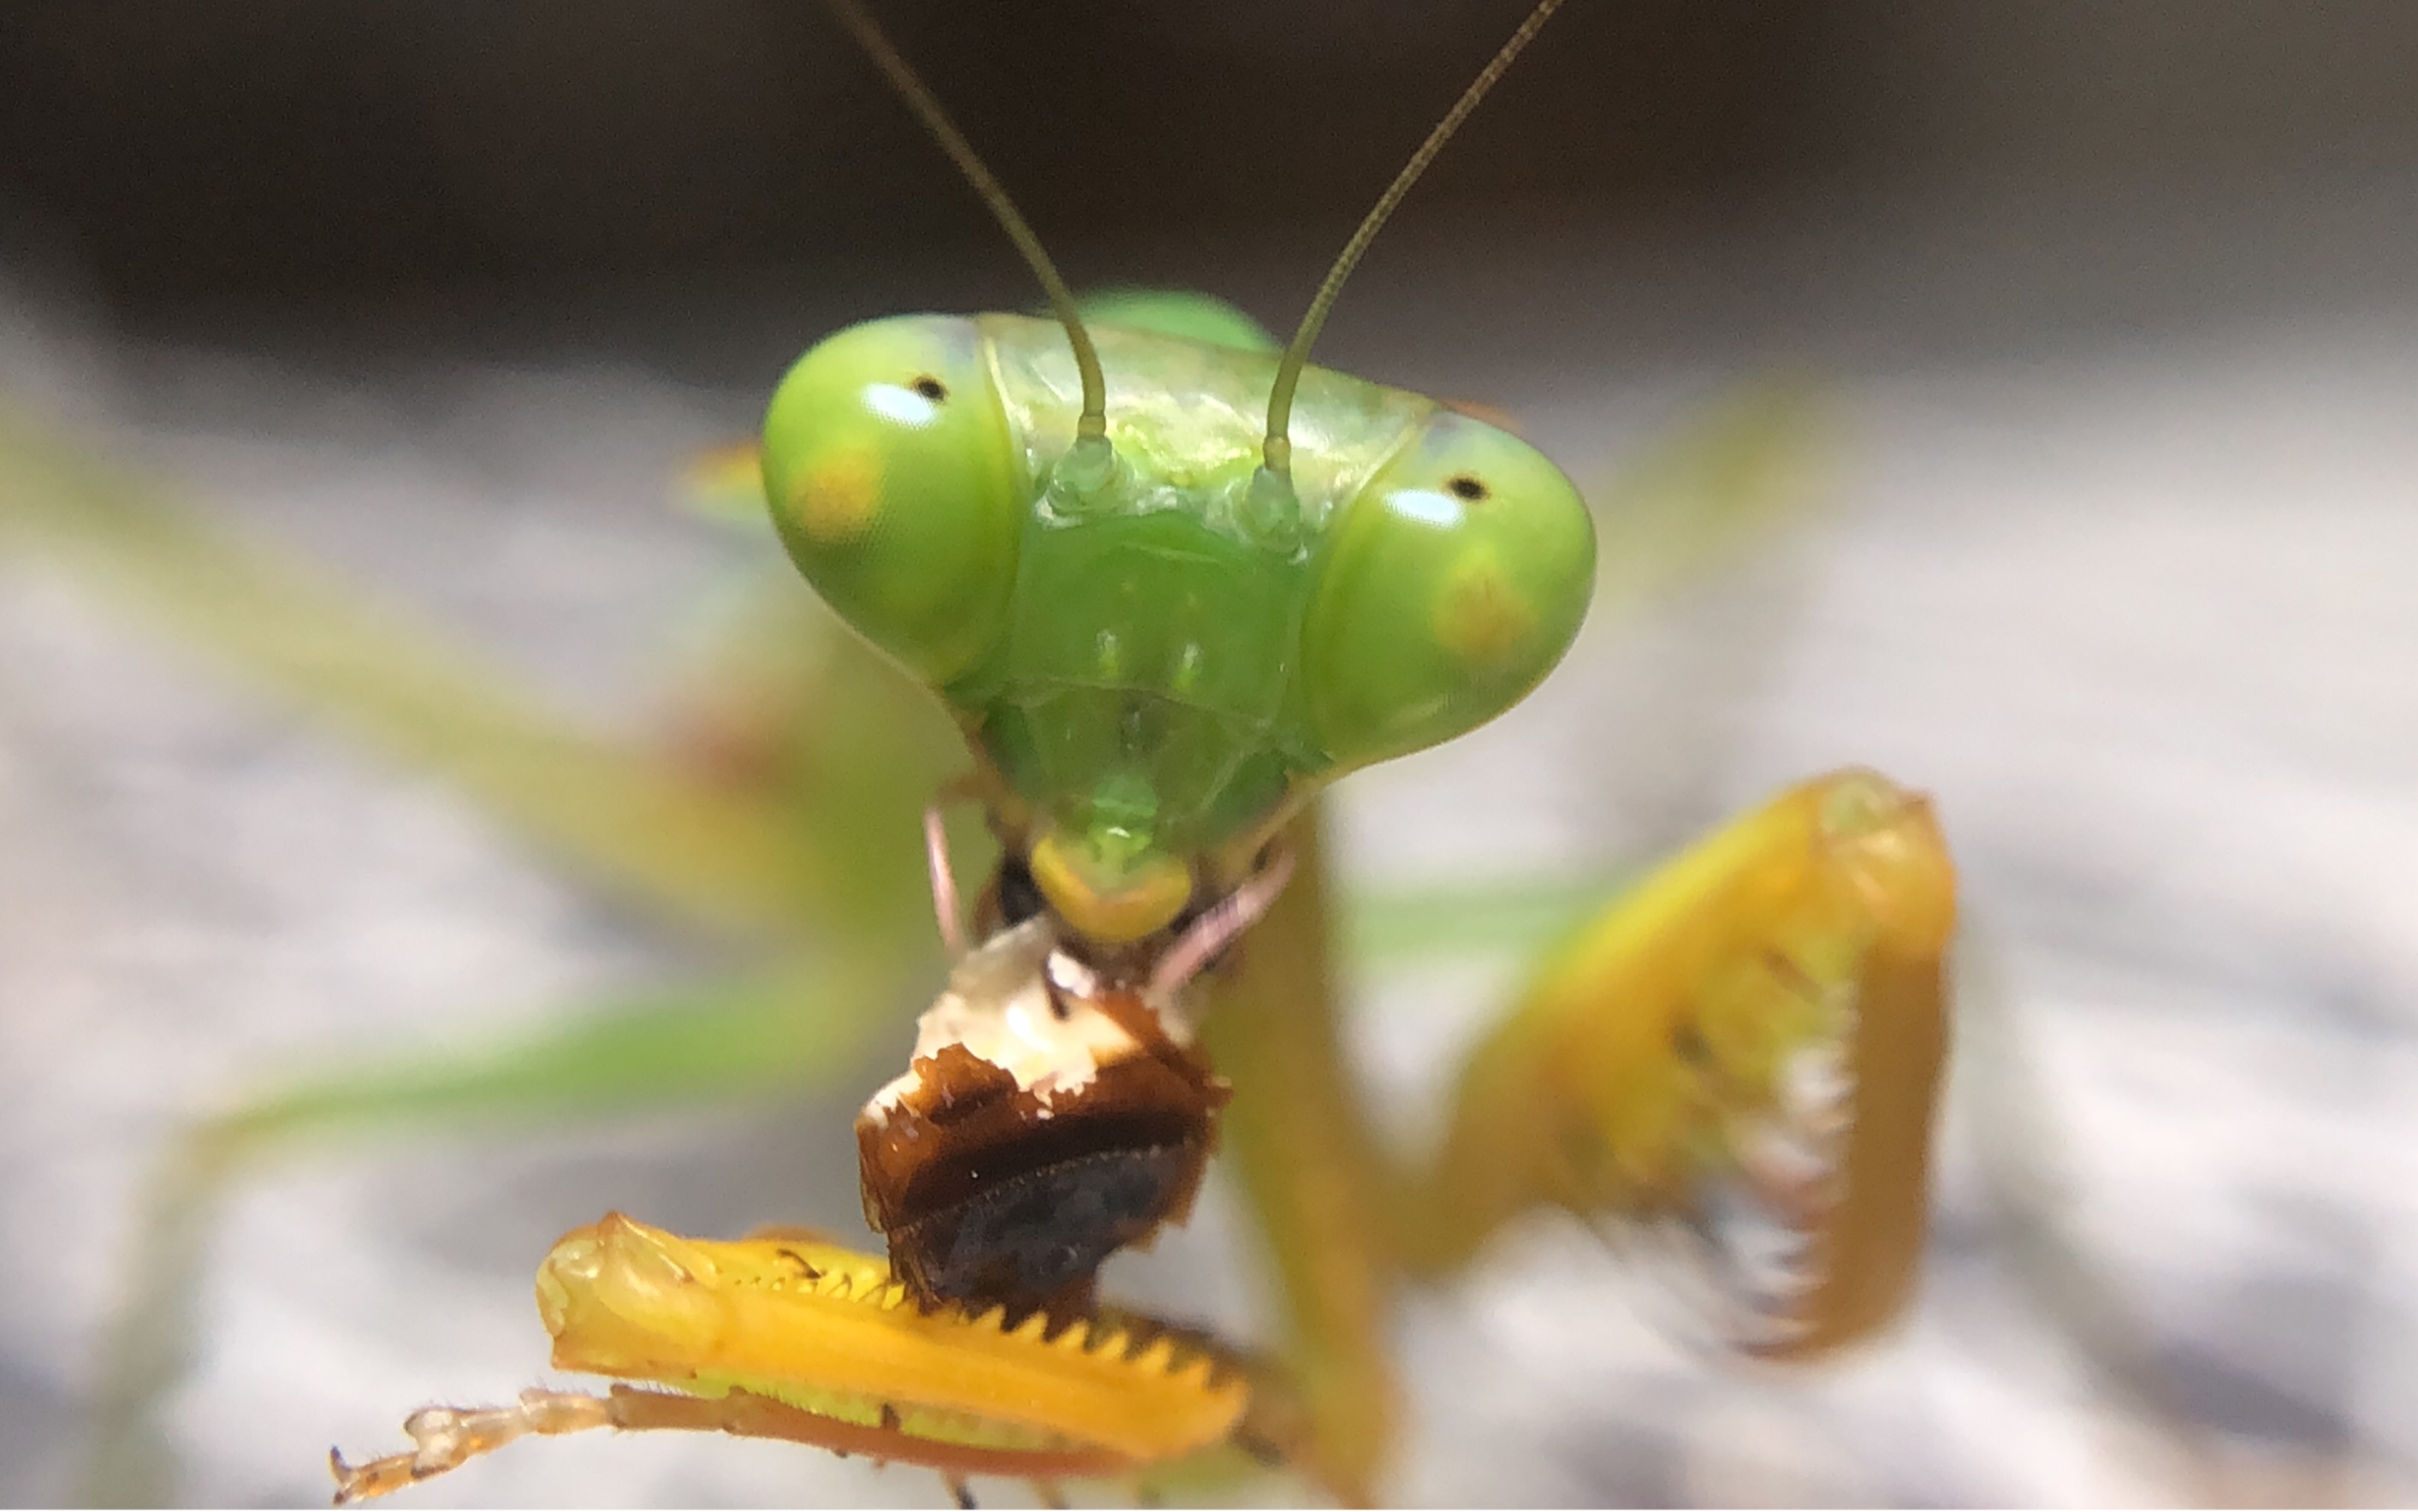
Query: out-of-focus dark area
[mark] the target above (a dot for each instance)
(2112, 314)
(316, 153)
(303, 151)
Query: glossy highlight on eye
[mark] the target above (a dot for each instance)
(904, 404)
(1426, 506)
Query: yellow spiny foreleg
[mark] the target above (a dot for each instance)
(783, 1337)
(1746, 1049)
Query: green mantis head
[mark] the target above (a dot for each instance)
(1162, 625)
(1155, 663)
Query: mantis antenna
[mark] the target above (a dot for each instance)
(1094, 424)
(1277, 455)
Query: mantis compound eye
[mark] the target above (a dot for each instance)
(1451, 585)
(887, 466)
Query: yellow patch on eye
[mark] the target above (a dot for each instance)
(838, 498)
(1479, 617)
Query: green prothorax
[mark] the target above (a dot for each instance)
(1155, 655)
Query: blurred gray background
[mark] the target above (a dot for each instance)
(2117, 314)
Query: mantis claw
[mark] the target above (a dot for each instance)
(788, 1338)
(1741, 1060)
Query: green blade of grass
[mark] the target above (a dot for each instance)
(1389, 928)
(1730, 481)
(717, 859)
(793, 1031)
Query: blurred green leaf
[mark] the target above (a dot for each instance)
(1726, 483)
(723, 859)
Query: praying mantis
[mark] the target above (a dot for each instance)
(1834, 948)
(1160, 643)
